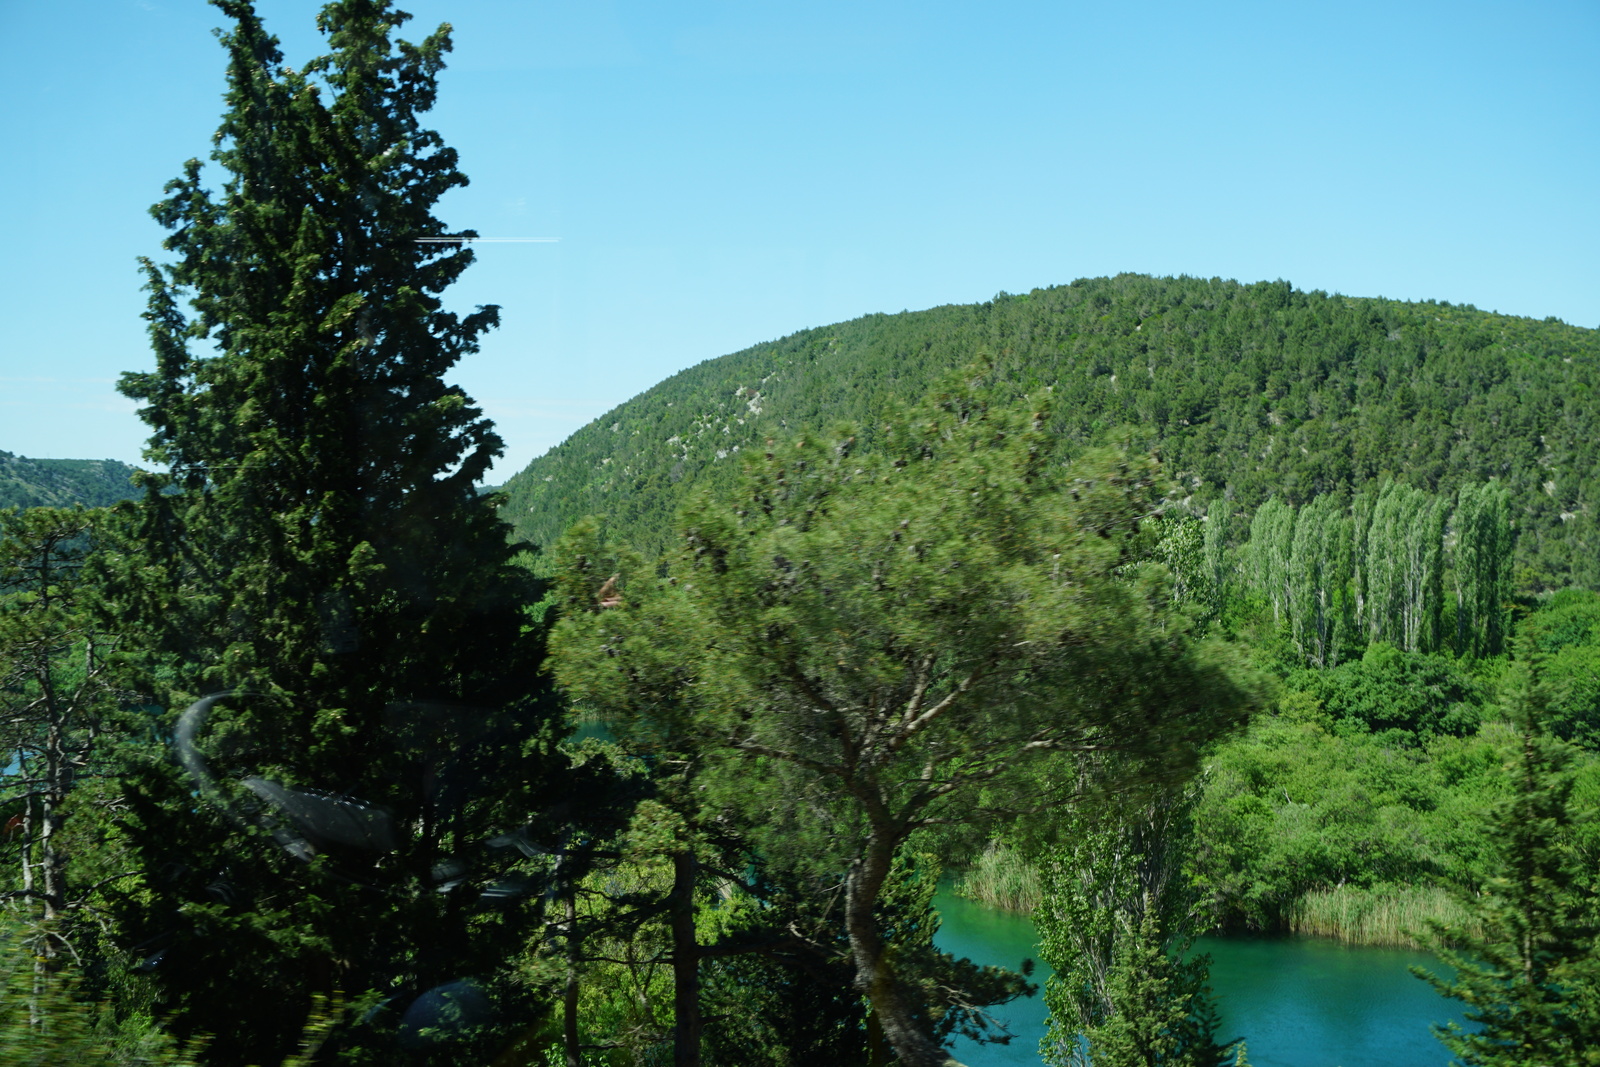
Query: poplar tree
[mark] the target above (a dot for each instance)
(315, 538)
(1404, 568)
(1117, 920)
(1271, 542)
(1482, 525)
(1319, 575)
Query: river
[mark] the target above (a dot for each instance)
(1297, 1002)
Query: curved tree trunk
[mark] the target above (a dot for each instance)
(875, 976)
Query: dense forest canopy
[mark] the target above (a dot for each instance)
(1246, 391)
(33, 483)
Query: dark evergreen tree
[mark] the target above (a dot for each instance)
(316, 540)
(1531, 977)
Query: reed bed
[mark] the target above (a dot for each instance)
(1383, 916)
(1387, 915)
(1001, 878)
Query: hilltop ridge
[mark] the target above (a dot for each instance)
(29, 483)
(1246, 391)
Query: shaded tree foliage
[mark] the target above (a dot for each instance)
(315, 542)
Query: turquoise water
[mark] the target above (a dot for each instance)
(1297, 1002)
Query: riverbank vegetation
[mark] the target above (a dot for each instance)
(1355, 807)
(1170, 605)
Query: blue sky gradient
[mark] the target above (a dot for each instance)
(721, 174)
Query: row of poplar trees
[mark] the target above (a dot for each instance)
(1340, 574)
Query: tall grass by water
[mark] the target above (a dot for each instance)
(1001, 878)
(1387, 915)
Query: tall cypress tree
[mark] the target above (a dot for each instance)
(316, 540)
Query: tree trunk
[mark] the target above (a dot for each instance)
(875, 977)
(685, 964)
(569, 1000)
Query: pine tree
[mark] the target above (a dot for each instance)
(1531, 977)
(879, 643)
(316, 540)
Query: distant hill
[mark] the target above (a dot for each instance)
(28, 483)
(1246, 390)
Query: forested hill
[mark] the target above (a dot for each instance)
(1248, 391)
(28, 483)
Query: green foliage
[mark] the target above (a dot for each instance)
(1565, 632)
(59, 483)
(1294, 809)
(1117, 919)
(954, 993)
(1530, 973)
(1384, 915)
(1388, 690)
(1402, 568)
(1248, 394)
(1482, 525)
(46, 1021)
(1320, 568)
(315, 542)
(880, 642)
(60, 727)
(792, 1003)
(1160, 1009)
(1338, 578)
(1569, 618)
(1572, 676)
(1270, 552)
(1002, 877)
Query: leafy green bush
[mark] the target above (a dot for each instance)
(1421, 695)
(1294, 808)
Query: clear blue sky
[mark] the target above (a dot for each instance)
(721, 174)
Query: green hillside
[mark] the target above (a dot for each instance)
(28, 483)
(1246, 390)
